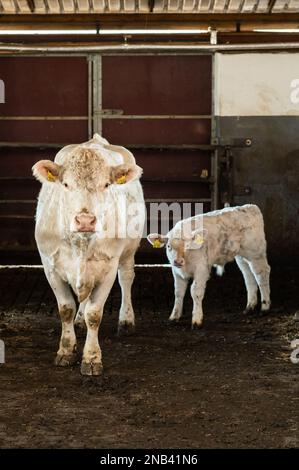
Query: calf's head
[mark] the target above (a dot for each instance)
(83, 182)
(178, 246)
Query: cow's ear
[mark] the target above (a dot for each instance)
(46, 170)
(125, 173)
(198, 239)
(157, 240)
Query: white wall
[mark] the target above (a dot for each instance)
(255, 84)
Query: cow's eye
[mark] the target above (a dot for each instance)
(65, 185)
(106, 185)
(169, 247)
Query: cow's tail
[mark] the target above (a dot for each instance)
(219, 270)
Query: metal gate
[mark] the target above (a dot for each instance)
(158, 105)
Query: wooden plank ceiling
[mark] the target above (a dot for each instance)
(32, 7)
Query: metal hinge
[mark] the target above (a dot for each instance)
(236, 143)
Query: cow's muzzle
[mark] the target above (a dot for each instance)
(85, 222)
(178, 263)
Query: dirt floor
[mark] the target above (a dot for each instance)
(229, 385)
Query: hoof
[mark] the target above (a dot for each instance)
(263, 313)
(175, 323)
(125, 329)
(89, 368)
(265, 308)
(196, 326)
(248, 310)
(64, 360)
(173, 320)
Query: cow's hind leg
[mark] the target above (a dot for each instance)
(261, 271)
(250, 283)
(126, 322)
(67, 352)
(79, 320)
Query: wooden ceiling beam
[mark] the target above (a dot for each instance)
(148, 19)
(222, 22)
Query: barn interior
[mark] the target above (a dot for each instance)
(205, 93)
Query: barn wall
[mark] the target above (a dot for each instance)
(46, 105)
(256, 97)
(163, 112)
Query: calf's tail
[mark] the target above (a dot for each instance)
(219, 270)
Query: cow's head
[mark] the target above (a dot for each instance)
(178, 245)
(84, 180)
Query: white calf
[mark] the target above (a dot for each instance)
(194, 245)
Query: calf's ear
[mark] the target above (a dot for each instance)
(198, 239)
(125, 173)
(157, 240)
(46, 170)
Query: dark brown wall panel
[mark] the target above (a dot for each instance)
(20, 208)
(64, 132)
(36, 87)
(157, 84)
(139, 85)
(18, 189)
(173, 165)
(177, 190)
(44, 86)
(17, 233)
(19, 161)
(157, 131)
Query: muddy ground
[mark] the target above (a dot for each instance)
(229, 385)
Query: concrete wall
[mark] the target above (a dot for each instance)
(257, 97)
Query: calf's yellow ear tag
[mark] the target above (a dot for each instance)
(50, 176)
(199, 240)
(121, 180)
(157, 243)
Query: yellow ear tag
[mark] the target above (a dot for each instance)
(121, 180)
(199, 240)
(50, 176)
(157, 243)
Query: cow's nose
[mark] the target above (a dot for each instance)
(178, 263)
(85, 222)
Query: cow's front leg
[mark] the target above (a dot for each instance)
(93, 312)
(126, 322)
(67, 352)
(180, 287)
(198, 288)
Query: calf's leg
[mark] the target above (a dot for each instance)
(180, 287)
(198, 288)
(250, 283)
(126, 275)
(261, 271)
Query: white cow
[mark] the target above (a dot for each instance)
(83, 219)
(194, 245)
